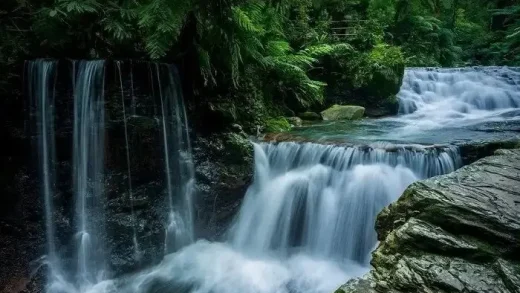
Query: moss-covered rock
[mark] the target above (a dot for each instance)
(279, 124)
(338, 112)
(238, 147)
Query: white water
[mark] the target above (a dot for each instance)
(180, 173)
(306, 224)
(87, 174)
(88, 170)
(42, 78)
(444, 98)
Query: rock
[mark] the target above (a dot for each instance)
(223, 174)
(338, 112)
(237, 128)
(295, 121)
(310, 116)
(474, 151)
(454, 233)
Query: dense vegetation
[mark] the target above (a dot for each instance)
(250, 60)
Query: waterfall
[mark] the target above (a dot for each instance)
(82, 266)
(307, 222)
(453, 97)
(88, 169)
(41, 90)
(179, 168)
(127, 148)
(323, 200)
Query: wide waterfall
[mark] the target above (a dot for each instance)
(81, 264)
(306, 224)
(434, 98)
(323, 200)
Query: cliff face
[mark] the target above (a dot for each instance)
(454, 233)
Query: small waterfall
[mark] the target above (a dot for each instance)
(435, 98)
(88, 169)
(324, 200)
(127, 147)
(307, 222)
(179, 164)
(41, 89)
(134, 99)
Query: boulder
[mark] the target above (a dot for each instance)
(310, 116)
(338, 112)
(454, 233)
(295, 121)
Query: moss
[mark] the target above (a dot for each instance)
(238, 148)
(279, 124)
(343, 112)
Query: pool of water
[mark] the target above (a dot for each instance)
(395, 131)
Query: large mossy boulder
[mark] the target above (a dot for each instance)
(454, 233)
(343, 112)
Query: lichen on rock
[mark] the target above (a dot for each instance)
(343, 112)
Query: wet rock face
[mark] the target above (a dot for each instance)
(454, 233)
(224, 171)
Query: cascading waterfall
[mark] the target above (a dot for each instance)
(179, 168)
(88, 169)
(323, 200)
(307, 222)
(41, 90)
(436, 98)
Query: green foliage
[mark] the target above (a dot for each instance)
(279, 124)
(510, 45)
(280, 53)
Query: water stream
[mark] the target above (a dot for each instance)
(41, 91)
(180, 173)
(127, 148)
(88, 170)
